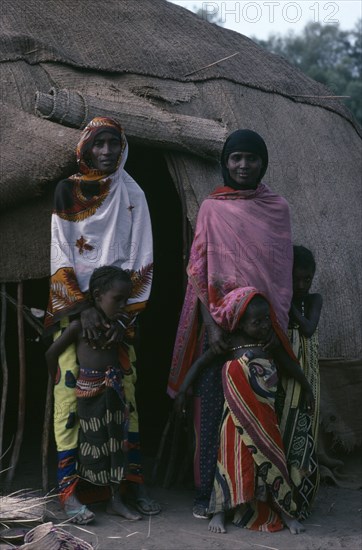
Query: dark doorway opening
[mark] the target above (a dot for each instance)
(158, 323)
(157, 326)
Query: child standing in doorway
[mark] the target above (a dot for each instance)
(101, 406)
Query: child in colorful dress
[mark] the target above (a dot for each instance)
(295, 424)
(101, 406)
(251, 477)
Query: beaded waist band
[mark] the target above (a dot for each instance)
(94, 382)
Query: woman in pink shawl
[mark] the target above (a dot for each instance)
(242, 239)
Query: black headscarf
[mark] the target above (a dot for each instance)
(244, 141)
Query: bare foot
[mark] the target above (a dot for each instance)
(293, 525)
(117, 507)
(217, 523)
(77, 512)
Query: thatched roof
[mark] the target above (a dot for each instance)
(147, 37)
(64, 62)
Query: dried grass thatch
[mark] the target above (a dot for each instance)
(23, 506)
(52, 537)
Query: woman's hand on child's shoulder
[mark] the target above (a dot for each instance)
(272, 342)
(222, 345)
(115, 334)
(93, 326)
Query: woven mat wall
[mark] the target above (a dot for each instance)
(341, 387)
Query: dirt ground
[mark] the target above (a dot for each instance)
(334, 524)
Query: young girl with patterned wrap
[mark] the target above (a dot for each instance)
(101, 402)
(295, 424)
(252, 478)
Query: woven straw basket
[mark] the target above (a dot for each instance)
(50, 537)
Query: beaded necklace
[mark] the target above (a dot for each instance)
(247, 346)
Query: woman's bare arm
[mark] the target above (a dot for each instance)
(203, 361)
(214, 332)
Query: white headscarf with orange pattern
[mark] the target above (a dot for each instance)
(111, 228)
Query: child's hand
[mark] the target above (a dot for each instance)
(180, 403)
(309, 400)
(293, 312)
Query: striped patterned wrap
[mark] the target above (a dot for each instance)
(251, 475)
(104, 420)
(93, 382)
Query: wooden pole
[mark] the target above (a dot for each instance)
(4, 369)
(178, 180)
(170, 471)
(46, 434)
(145, 121)
(161, 448)
(22, 387)
(28, 316)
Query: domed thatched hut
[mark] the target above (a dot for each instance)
(179, 85)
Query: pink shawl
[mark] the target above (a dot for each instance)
(242, 239)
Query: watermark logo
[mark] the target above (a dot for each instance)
(255, 12)
(72, 253)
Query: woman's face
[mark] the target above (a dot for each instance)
(105, 152)
(244, 168)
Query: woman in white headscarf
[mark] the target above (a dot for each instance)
(100, 218)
